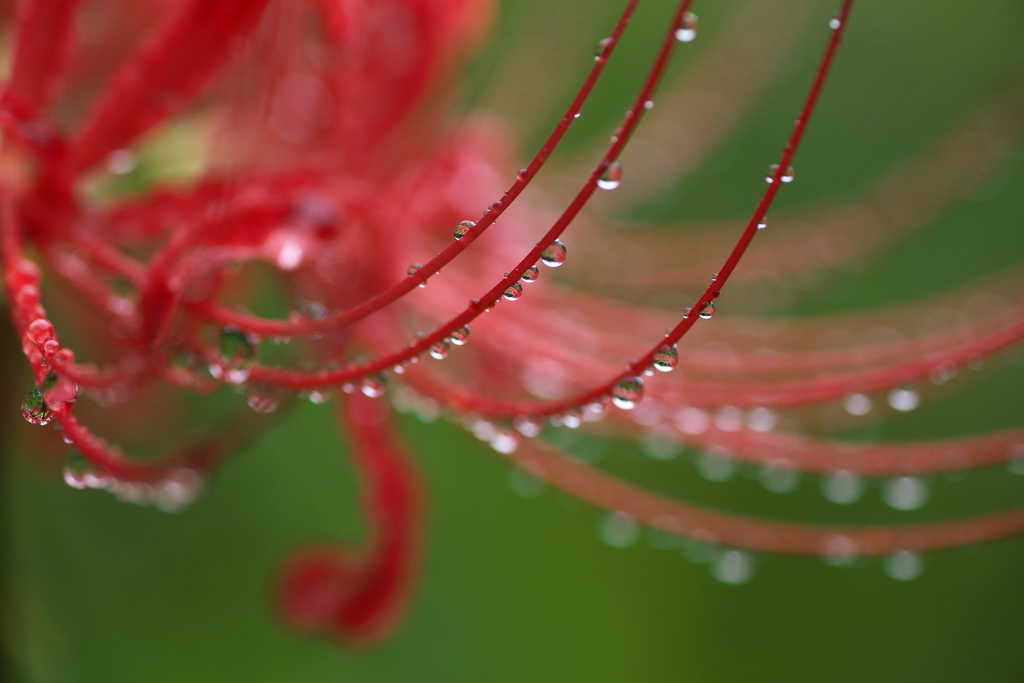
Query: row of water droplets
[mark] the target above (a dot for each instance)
(734, 566)
(172, 493)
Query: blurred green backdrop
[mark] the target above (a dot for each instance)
(520, 588)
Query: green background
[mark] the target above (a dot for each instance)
(520, 588)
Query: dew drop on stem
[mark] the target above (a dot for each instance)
(554, 254)
(611, 176)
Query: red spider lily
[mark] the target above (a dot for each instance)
(331, 168)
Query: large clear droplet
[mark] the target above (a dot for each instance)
(40, 331)
(611, 176)
(413, 269)
(531, 274)
(527, 426)
(78, 471)
(237, 355)
(627, 392)
(572, 417)
(440, 349)
(463, 228)
(34, 408)
(762, 419)
(373, 385)
(554, 254)
(513, 291)
(666, 358)
(787, 176)
(504, 441)
(460, 336)
(904, 400)
(857, 404)
(263, 398)
(179, 490)
(687, 30)
(707, 311)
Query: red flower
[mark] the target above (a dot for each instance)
(332, 165)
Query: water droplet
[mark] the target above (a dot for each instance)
(527, 426)
(237, 355)
(904, 565)
(762, 420)
(34, 408)
(904, 400)
(263, 398)
(504, 441)
(707, 311)
(413, 269)
(460, 336)
(78, 471)
(648, 104)
(716, 465)
(787, 176)
(842, 487)
(130, 491)
(572, 418)
(51, 347)
(554, 254)
(835, 23)
(839, 551)
(40, 331)
(618, 530)
(121, 161)
(513, 291)
(779, 476)
(942, 374)
(373, 385)
(1015, 465)
(611, 176)
(729, 419)
(857, 404)
(179, 490)
(687, 30)
(463, 228)
(762, 224)
(666, 358)
(602, 45)
(321, 396)
(290, 254)
(733, 567)
(905, 493)
(692, 421)
(687, 311)
(313, 310)
(440, 349)
(627, 392)
(531, 274)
